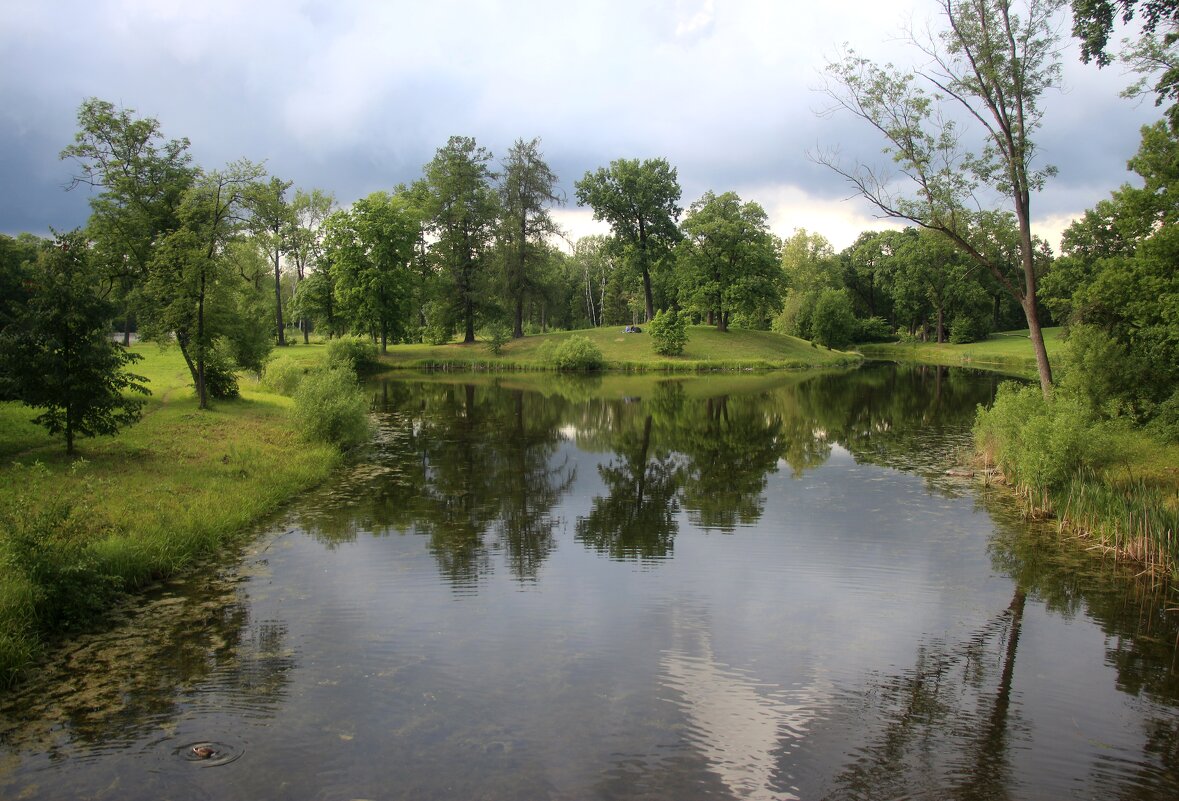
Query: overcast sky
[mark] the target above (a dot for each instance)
(353, 96)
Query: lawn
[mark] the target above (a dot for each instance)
(1006, 351)
(707, 349)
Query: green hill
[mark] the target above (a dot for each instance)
(707, 349)
(1005, 351)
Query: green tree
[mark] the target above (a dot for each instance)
(527, 188)
(995, 62)
(638, 199)
(57, 354)
(834, 322)
(305, 241)
(371, 250)
(809, 266)
(17, 256)
(142, 179)
(728, 260)
(462, 212)
(271, 223)
(189, 272)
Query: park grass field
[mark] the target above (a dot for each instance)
(1006, 352)
(707, 349)
(149, 500)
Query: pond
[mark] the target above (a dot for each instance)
(756, 586)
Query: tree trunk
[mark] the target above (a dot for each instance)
(722, 322)
(518, 323)
(282, 340)
(941, 324)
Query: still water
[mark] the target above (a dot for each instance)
(729, 587)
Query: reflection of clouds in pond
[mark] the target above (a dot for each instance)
(739, 725)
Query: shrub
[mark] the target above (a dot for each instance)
(221, 371)
(874, 329)
(1038, 443)
(353, 353)
(965, 328)
(330, 407)
(498, 335)
(283, 376)
(669, 332)
(577, 353)
(833, 323)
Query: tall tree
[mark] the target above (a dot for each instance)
(994, 60)
(189, 267)
(729, 259)
(305, 239)
(141, 178)
(58, 356)
(527, 188)
(638, 199)
(271, 223)
(462, 212)
(371, 249)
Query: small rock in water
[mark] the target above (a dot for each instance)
(959, 473)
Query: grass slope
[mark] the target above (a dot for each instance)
(1007, 352)
(707, 349)
(147, 501)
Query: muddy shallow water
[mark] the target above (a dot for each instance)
(751, 587)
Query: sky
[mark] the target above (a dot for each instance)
(355, 96)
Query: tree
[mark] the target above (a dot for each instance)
(669, 332)
(58, 356)
(305, 239)
(834, 323)
(189, 272)
(462, 211)
(371, 249)
(271, 222)
(1155, 53)
(729, 259)
(809, 266)
(527, 187)
(638, 199)
(994, 65)
(142, 178)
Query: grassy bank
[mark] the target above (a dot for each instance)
(139, 505)
(1007, 352)
(707, 349)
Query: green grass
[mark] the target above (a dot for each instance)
(707, 349)
(1007, 352)
(179, 484)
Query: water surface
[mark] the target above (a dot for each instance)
(731, 587)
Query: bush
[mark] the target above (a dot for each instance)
(498, 335)
(874, 329)
(330, 407)
(283, 376)
(1041, 444)
(577, 353)
(669, 332)
(965, 328)
(221, 371)
(353, 353)
(833, 323)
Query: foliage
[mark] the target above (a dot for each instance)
(967, 328)
(527, 188)
(834, 323)
(370, 248)
(577, 354)
(461, 211)
(354, 354)
(728, 260)
(874, 329)
(57, 354)
(1039, 443)
(995, 63)
(283, 376)
(330, 407)
(639, 200)
(221, 371)
(668, 332)
(498, 335)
